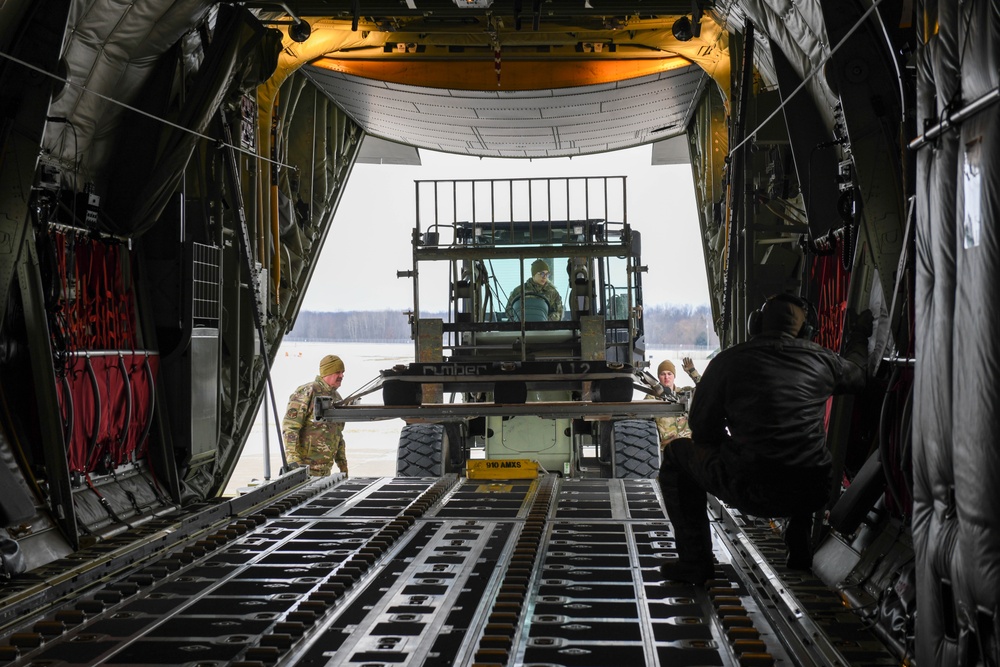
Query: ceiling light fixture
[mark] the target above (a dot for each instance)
(684, 28)
(298, 29)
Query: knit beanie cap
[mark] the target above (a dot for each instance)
(666, 365)
(538, 266)
(330, 364)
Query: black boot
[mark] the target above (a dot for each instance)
(688, 572)
(685, 503)
(796, 538)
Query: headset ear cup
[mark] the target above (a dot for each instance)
(810, 328)
(754, 322)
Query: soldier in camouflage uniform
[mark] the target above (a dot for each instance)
(317, 445)
(674, 426)
(537, 285)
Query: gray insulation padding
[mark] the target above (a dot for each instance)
(956, 461)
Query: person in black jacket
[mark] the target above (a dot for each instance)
(758, 438)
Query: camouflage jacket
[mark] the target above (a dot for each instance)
(317, 444)
(674, 426)
(546, 291)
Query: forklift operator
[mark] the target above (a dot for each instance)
(537, 285)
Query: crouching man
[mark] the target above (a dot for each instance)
(758, 440)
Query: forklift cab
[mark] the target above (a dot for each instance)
(533, 361)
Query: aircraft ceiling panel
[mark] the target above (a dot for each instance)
(572, 110)
(445, 111)
(527, 113)
(555, 92)
(672, 99)
(503, 132)
(379, 151)
(542, 123)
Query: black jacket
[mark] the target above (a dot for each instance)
(771, 394)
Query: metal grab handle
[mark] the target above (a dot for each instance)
(152, 401)
(71, 416)
(123, 436)
(97, 412)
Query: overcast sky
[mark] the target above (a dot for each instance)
(370, 238)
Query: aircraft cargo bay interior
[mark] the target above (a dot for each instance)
(822, 494)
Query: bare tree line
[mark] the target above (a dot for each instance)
(670, 325)
(361, 326)
(682, 325)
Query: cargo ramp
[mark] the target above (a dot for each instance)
(537, 571)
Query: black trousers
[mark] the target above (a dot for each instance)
(691, 470)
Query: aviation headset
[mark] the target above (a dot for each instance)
(809, 328)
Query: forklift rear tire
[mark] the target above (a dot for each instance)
(423, 451)
(637, 448)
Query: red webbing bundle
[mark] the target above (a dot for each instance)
(828, 273)
(97, 306)
(112, 403)
(106, 387)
